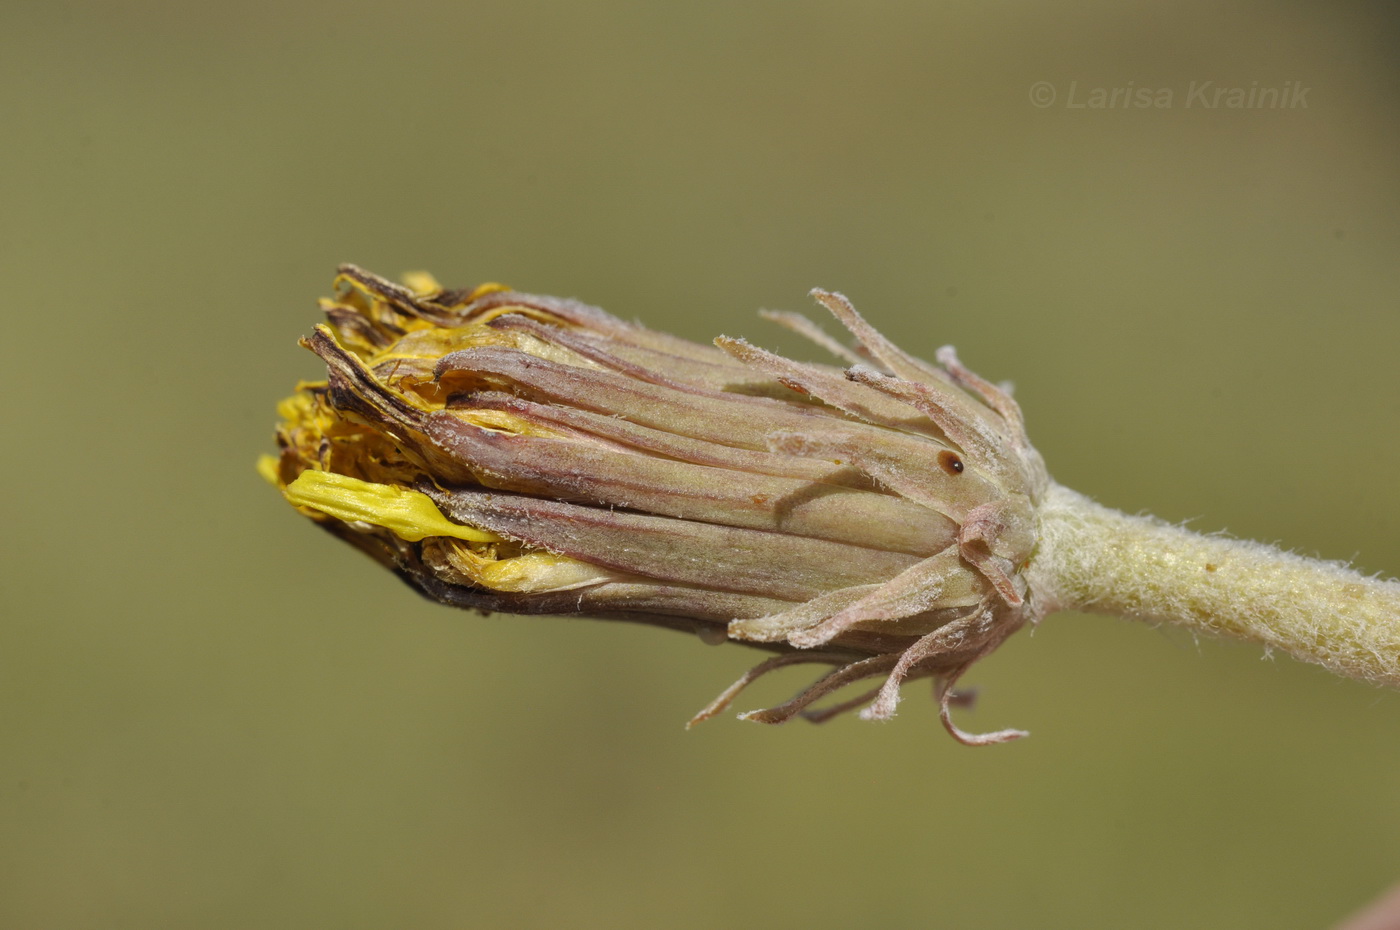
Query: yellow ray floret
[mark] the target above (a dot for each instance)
(411, 515)
(528, 572)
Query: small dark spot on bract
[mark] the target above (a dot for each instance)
(949, 462)
(1210, 566)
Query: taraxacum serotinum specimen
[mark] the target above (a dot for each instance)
(889, 519)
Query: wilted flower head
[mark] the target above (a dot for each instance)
(526, 454)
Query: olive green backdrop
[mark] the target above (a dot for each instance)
(214, 715)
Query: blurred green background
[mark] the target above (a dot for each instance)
(214, 715)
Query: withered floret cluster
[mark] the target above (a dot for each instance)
(532, 455)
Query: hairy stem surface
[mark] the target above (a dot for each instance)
(1096, 559)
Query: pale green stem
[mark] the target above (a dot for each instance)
(1096, 559)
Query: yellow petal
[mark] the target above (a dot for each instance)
(536, 572)
(267, 467)
(422, 283)
(411, 515)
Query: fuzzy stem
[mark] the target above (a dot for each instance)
(1095, 559)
